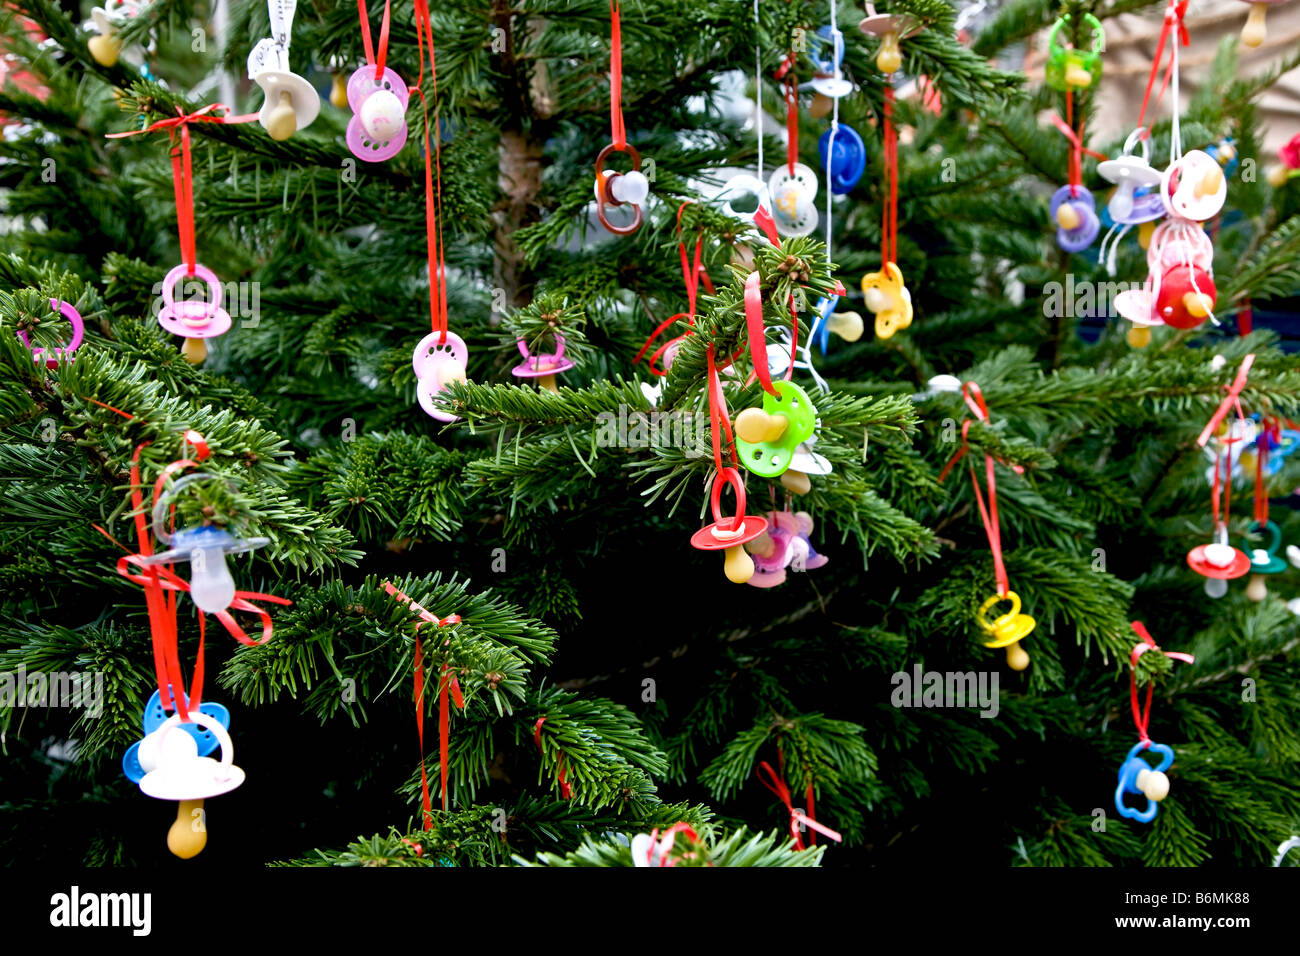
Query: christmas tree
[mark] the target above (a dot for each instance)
(452, 613)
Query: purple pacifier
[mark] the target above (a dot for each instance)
(544, 365)
(377, 130)
(1082, 212)
(769, 569)
(78, 330)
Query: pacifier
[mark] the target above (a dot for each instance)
(1131, 173)
(794, 195)
(890, 29)
(730, 534)
(828, 84)
(142, 756)
(806, 558)
(291, 102)
(198, 319)
(772, 551)
(181, 774)
(767, 437)
(1264, 560)
(847, 157)
(887, 296)
(543, 366)
(743, 196)
(1138, 777)
(1179, 242)
(377, 130)
(66, 310)
(106, 46)
(1194, 187)
(847, 325)
(1007, 630)
(1071, 69)
(205, 548)
(616, 189)
(1218, 562)
(1074, 211)
(438, 364)
(803, 463)
(1255, 31)
(1187, 296)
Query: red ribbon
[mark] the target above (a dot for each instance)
(447, 681)
(566, 791)
(1066, 126)
(436, 253)
(777, 785)
(1142, 715)
(161, 585)
(182, 173)
(618, 135)
(988, 515)
(377, 61)
(692, 273)
(1232, 399)
(1174, 14)
(889, 219)
(664, 847)
(757, 332)
(1244, 316)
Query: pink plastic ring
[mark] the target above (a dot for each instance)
(200, 271)
(78, 331)
(430, 348)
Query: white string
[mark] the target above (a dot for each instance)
(1175, 134)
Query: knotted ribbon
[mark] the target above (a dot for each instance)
(774, 782)
(1231, 400)
(1142, 715)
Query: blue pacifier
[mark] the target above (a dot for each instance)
(155, 717)
(848, 160)
(1137, 776)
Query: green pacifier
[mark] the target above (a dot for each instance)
(767, 437)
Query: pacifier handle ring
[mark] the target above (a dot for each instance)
(160, 506)
(616, 148)
(1274, 534)
(201, 272)
(1011, 596)
(729, 476)
(559, 347)
(605, 198)
(1139, 138)
(523, 349)
(207, 722)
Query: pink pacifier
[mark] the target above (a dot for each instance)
(1179, 242)
(437, 365)
(196, 320)
(1194, 186)
(542, 366)
(772, 551)
(377, 130)
(78, 330)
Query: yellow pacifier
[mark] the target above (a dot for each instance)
(888, 298)
(1008, 629)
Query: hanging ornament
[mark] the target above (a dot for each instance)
(1011, 627)
(884, 291)
(1136, 776)
(730, 534)
(890, 29)
(1218, 561)
(806, 557)
(63, 352)
(844, 157)
(378, 98)
(291, 102)
(792, 185)
(106, 45)
(613, 188)
(1266, 560)
(649, 849)
(543, 366)
(772, 551)
(847, 325)
(168, 765)
(203, 318)
(440, 358)
(1136, 198)
(1074, 210)
(1255, 31)
(1075, 69)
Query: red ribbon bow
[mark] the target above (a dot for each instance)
(798, 819)
(1232, 399)
(1142, 716)
(447, 681)
(182, 171)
